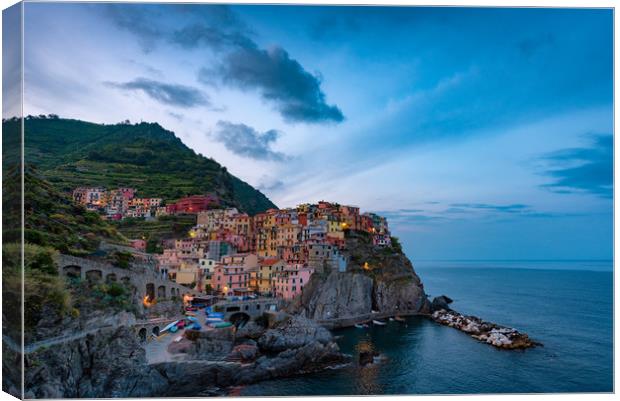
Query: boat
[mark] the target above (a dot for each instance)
(215, 314)
(214, 320)
(174, 329)
(361, 326)
(399, 319)
(194, 326)
(171, 325)
(391, 319)
(379, 323)
(177, 339)
(221, 325)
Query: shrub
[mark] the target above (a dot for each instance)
(396, 245)
(115, 290)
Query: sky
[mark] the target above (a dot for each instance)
(481, 133)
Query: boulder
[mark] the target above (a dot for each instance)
(441, 302)
(296, 332)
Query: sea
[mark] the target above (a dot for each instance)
(566, 305)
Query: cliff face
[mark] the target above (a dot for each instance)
(377, 279)
(108, 363)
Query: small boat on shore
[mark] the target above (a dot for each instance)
(379, 323)
(391, 319)
(168, 327)
(400, 319)
(361, 326)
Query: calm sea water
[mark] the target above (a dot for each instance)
(561, 304)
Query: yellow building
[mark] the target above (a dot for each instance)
(266, 271)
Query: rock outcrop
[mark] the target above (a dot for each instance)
(378, 279)
(109, 363)
(293, 346)
(339, 295)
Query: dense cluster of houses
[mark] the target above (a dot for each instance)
(275, 252)
(120, 203)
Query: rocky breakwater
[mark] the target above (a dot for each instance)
(277, 345)
(378, 282)
(490, 333)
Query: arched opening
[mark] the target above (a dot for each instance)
(161, 292)
(149, 298)
(150, 290)
(94, 276)
(156, 331)
(72, 271)
(239, 319)
(125, 280)
(142, 334)
(110, 278)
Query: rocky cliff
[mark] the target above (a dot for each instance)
(379, 279)
(107, 363)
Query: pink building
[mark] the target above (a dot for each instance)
(230, 279)
(290, 282)
(138, 244)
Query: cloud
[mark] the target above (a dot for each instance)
(169, 94)
(268, 184)
(196, 35)
(296, 93)
(512, 208)
(137, 19)
(280, 79)
(583, 170)
(247, 142)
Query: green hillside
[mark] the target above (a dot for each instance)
(51, 219)
(72, 153)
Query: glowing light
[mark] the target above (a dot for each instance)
(148, 301)
(366, 266)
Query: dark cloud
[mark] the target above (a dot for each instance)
(280, 79)
(138, 19)
(196, 35)
(247, 142)
(270, 184)
(169, 94)
(583, 170)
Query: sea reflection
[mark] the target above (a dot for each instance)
(366, 379)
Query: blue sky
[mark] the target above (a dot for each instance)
(480, 133)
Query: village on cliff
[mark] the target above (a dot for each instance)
(229, 253)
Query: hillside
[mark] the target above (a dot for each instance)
(71, 153)
(50, 217)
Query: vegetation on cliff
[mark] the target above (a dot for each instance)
(53, 224)
(51, 218)
(165, 227)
